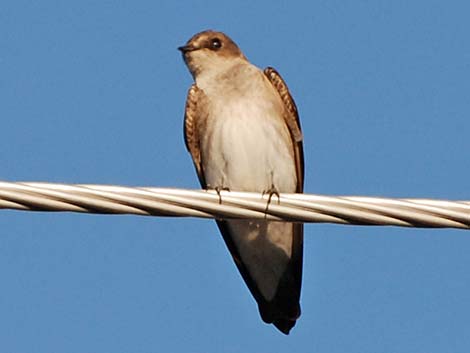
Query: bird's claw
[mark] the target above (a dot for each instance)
(271, 191)
(218, 189)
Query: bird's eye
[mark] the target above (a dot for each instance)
(216, 44)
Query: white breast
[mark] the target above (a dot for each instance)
(247, 146)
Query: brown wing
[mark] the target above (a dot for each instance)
(289, 291)
(291, 117)
(191, 134)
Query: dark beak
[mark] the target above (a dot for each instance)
(186, 48)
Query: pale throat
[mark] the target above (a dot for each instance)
(212, 71)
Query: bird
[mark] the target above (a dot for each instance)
(242, 130)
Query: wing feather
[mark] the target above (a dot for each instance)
(192, 116)
(290, 291)
(291, 117)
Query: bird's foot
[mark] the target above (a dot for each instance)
(271, 191)
(218, 189)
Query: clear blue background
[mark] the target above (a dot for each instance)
(93, 92)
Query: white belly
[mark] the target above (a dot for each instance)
(248, 148)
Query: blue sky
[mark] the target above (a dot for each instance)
(93, 92)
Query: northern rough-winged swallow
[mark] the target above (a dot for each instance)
(243, 132)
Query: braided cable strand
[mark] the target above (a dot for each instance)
(109, 199)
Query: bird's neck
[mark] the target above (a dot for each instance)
(229, 72)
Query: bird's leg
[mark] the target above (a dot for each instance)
(218, 189)
(271, 191)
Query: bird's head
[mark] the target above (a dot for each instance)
(210, 50)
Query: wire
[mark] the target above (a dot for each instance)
(305, 208)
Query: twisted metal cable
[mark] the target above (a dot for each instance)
(109, 199)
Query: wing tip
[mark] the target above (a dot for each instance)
(283, 321)
(284, 325)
